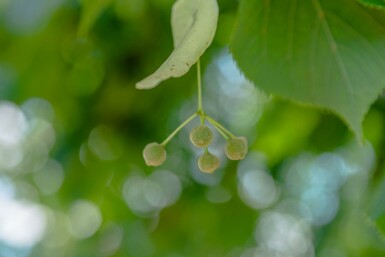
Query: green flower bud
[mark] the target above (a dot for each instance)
(236, 148)
(154, 154)
(201, 136)
(208, 162)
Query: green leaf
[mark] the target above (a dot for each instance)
(373, 3)
(325, 53)
(194, 23)
(91, 10)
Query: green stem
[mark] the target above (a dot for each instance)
(200, 106)
(202, 117)
(202, 120)
(225, 136)
(165, 142)
(218, 125)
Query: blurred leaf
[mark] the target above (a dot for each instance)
(86, 75)
(377, 209)
(374, 128)
(90, 13)
(325, 53)
(284, 131)
(373, 3)
(194, 23)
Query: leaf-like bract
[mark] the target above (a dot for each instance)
(325, 53)
(194, 23)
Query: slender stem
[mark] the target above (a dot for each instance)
(206, 149)
(202, 117)
(218, 125)
(220, 132)
(199, 82)
(165, 142)
(200, 106)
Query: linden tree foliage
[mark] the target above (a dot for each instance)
(323, 53)
(73, 128)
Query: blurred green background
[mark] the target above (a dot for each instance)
(72, 130)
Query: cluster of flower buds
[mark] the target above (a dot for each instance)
(236, 147)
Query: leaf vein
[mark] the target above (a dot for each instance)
(291, 25)
(313, 56)
(332, 44)
(265, 26)
(358, 35)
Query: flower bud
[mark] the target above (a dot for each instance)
(236, 148)
(208, 162)
(201, 136)
(154, 154)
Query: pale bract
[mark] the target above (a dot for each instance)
(194, 23)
